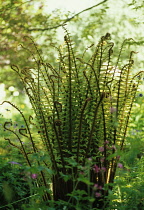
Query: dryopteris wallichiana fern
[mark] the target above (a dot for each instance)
(80, 105)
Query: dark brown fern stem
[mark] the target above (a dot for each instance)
(70, 95)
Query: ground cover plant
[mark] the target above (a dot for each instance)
(77, 133)
(129, 183)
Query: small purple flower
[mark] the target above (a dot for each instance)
(120, 165)
(101, 149)
(138, 130)
(96, 168)
(13, 162)
(97, 187)
(34, 176)
(102, 159)
(112, 110)
(100, 187)
(106, 142)
(97, 194)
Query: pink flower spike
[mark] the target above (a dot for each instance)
(101, 149)
(96, 168)
(106, 142)
(120, 165)
(34, 176)
(97, 194)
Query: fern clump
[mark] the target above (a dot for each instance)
(82, 109)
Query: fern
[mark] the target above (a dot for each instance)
(79, 105)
